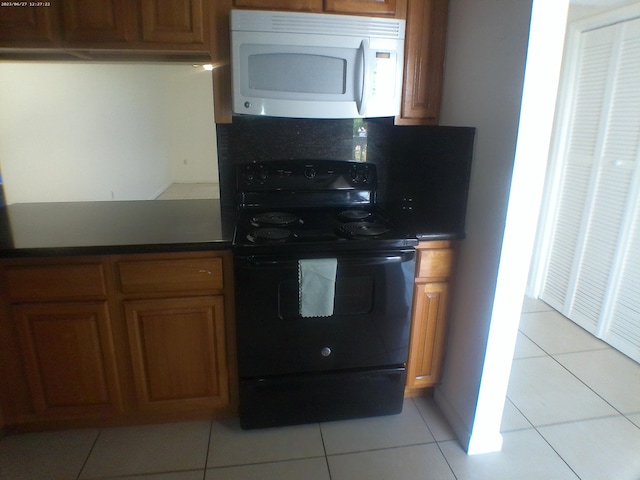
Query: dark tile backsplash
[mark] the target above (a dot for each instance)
(428, 167)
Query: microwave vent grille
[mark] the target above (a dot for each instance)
(317, 24)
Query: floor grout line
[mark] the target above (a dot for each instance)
(93, 446)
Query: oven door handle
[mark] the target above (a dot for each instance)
(366, 259)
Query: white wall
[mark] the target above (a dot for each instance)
(193, 149)
(485, 57)
(83, 132)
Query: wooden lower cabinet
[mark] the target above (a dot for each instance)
(431, 299)
(178, 353)
(93, 341)
(69, 358)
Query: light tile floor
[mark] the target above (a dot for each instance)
(573, 412)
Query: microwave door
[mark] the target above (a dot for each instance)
(278, 80)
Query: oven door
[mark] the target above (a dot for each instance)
(369, 326)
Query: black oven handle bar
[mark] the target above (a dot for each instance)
(368, 258)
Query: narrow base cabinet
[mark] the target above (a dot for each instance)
(431, 299)
(107, 340)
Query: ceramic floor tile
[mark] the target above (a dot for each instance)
(554, 333)
(612, 375)
(525, 348)
(524, 456)
(512, 419)
(635, 419)
(433, 417)
(307, 469)
(424, 462)
(602, 449)
(189, 475)
(46, 455)
(149, 449)
(546, 393)
(407, 428)
(230, 445)
(534, 305)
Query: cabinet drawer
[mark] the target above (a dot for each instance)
(148, 276)
(435, 263)
(48, 282)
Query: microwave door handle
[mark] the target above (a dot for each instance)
(364, 51)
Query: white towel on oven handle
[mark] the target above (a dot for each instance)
(317, 286)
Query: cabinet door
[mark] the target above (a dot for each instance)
(69, 358)
(174, 21)
(424, 61)
(178, 352)
(33, 26)
(363, 7)
(99, 21)
(428, 330)
(302, 5)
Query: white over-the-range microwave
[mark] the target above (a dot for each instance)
(308, 65)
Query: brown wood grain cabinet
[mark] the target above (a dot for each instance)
(432, 291)
(297, 5)
(178, 351)
(59, 359)
(98, 21)
(68, 352)
(30, 26)
(425, 40)
(116, 339)
(178, 22)
(392, 8)
(175, 317)
(88, 29)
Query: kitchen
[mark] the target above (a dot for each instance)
(487, 203)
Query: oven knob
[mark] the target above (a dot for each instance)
(310, 173)
(325, 352)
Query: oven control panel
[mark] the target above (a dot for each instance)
(305, 175)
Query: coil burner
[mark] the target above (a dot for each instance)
(363, 229)
(355, 215)
(269, 235)
(279, 219)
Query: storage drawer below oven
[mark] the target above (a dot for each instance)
(321, 397)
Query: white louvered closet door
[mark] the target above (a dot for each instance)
(594, 257)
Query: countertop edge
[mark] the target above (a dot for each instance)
(114, 250)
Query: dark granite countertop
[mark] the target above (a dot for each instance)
(84, 228)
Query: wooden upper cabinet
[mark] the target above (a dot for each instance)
(423, 61)
(365, 7)
(170, 25)
(175, 21)
(98, 21)
(29, 26)
(300, 5)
